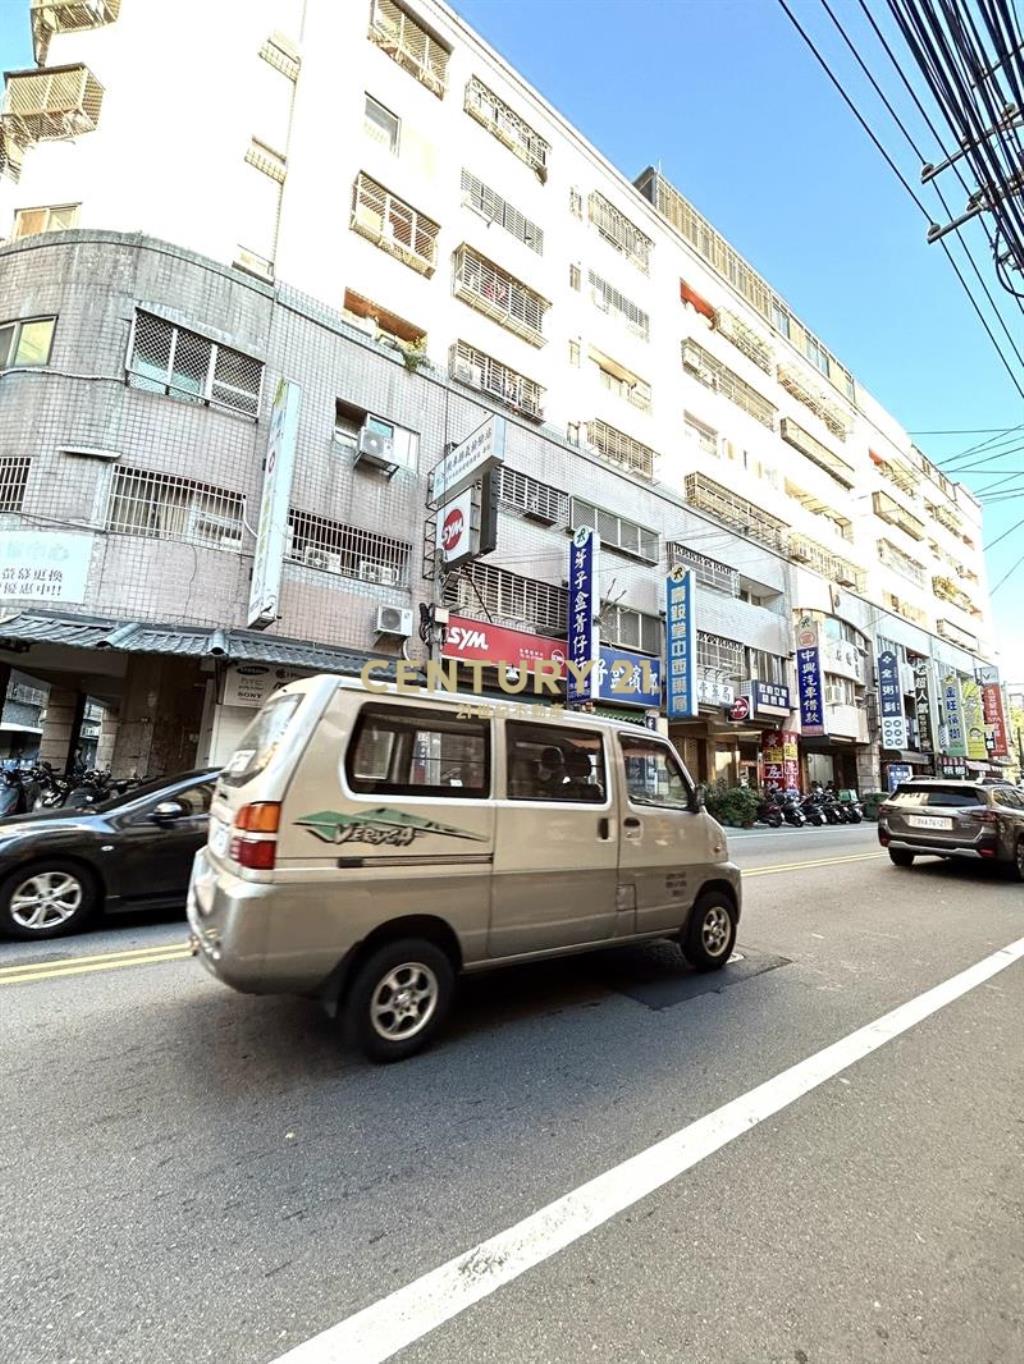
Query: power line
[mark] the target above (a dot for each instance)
(1000, 538)
(1007, 575)
(965, 431)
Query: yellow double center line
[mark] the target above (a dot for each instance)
(179, 951)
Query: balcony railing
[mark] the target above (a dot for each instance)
(710, 371)
(819, 454)
(393, 225)
(905, 609)
(618, 448)
(707, 495)
(808, 393)
(506, 125)
(619, 231)
(902, 475)
(67, 16)
(499, 295)
(947, 590)
(803, 550)
(946, 516)
(471, 366)
(888, 509)
(950, 630)
(410, 45)
(744, 338)
(58, 102)
(893, 557)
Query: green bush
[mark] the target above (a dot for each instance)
(735, 806)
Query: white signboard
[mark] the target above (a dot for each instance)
(46, 565)
(712, 693)
(455, 536)
(469, 461)
(265, 591)
(249, 684)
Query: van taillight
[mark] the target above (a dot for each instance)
(261, 818)
(258, 853)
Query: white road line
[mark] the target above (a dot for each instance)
(383, 1328)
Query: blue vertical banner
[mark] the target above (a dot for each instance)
(890, 702)
(809, 679)
(680, 645)
(583, 642)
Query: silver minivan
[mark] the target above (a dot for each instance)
(365, 848)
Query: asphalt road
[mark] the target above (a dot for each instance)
(190, 1174)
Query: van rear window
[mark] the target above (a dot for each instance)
(408, 751)
(257, 745)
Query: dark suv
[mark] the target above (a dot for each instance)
(954, 819)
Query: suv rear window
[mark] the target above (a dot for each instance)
(256, 746)
(938, 796)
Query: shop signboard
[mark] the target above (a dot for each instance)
(628, 679)
(890, 702)
(44, 565)
(923, 707)
(249, 684)
(712, 693)
(465, 464)
(271, 530)
(809, 679)
(995, 719)
(681, 701)
(780, 757)
(955, 744)
(974, 721)
(478, 641)
(456, 538)
(897, 772)
(955, 769)
(584, 644)
(768, 698)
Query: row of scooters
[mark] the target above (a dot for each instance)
(39, 787)
(817, 807)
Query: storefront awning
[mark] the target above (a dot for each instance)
(911, 756)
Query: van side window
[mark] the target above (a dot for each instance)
(408, 751)
(653, 776)
(545, 763)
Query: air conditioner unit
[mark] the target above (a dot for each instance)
(538, 508)
(321, 558)
(845, 578)
(799, 554)
(254, 264)
(375, 448)
(394, 620)
(384, 574)
(364, 324)
(464, 372)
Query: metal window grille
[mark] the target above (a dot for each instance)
(410, 45)
(529, 495)
(707, 495)
(165, 507)
(11, 154)
(57, 102)
(495, 209)
(949, 630)
(887, 509)
(631, 629)
(744, 338)
(906, 610)
(393, 225)
(640, 542)
(484, 589)
(282, 55)
(812, 398)
(619, 231)
(13, 481)
(904, 477)
(945, 517)
(894, 557)
(806, 551)
(722, 657)
(947, 590)
(621, 381)
(265, 159)
(709, 572)
(819, 454)
(165, 358)
(480, 371)
(367, 555)
(507, 126)
(575, 202)
(499, 295)
(618, 448)
(709, 371)
(67, 16)
(704, 437)
(766, 667)
(609, 300)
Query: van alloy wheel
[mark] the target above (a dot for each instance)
(404, 1001)
(709, 935)
(714, 931)
(46, 900)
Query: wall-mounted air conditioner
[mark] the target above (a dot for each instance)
(376, 449)
(394, 620)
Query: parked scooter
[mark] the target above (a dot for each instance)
(854, 811)
(812, 811)
(12, 793)
(792, 810)
(769, 813)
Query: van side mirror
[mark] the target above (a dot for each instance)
(697, 799)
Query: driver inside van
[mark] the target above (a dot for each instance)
(551, 773)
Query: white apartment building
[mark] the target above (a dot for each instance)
(375, 170)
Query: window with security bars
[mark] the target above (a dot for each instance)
(328, 545)
(618, 448)
(484, 590)
(499, 295)
(708, 572)
(621, 381)
(639, 542)
(707, 495)
(609, 300)
(512, 131)
(705, 438)
(619, 231)
(408, 43)
(766, 667)
(490, 205)
(165, 507)
(839, 691)
(480, 371)
(165, 358)
(394, 225)
(893, 557)
(538, 500)
(708, 370)
(722, 657)
(13, 481)
(630, 629)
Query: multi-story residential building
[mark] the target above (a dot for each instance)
(417, 246)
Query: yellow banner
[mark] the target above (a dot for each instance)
(974, 722)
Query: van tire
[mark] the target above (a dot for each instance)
(417, 974)
(710, 933)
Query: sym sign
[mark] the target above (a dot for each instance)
(482, 450)
(265, 589)
(455, 532)
(478, 641)
(740, 709)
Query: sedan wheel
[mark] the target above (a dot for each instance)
(45, 901)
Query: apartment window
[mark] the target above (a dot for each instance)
(630, 629)
(394, 225)
(901, 562)
(572, 433)
(165, 358)
(609, 300)
(574, 277)
(710, 372)
(538, 500)
(807, 392)
(804, 550)
(639, 542)
(618, 448)
(766, 667)
(362, 554)
(709, 572)
(473, 367)
(621, 381)
(720, 656)
(26, 342)
(574, 353)
(165, 507)
(13, 481)
(409, 44)
(499, 295)
(507, 126)
(744, 338)
(483, 589)
(780, 318)
(703, 437)
(619, 231)
(381, 124)
(401, 751)
(575, 202)
(28, 222)
(887, 509)
(837, 629)
(839, 691)
(490, 205)
(816, 353)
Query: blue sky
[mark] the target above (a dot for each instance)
(724, 94)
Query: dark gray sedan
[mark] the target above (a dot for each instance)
(134, 851)
(963, 819)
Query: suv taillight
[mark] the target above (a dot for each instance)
(254, 845)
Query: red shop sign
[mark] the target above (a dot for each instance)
(479, 641)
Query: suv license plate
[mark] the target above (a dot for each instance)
(928, 822)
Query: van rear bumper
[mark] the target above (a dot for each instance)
(228, 920)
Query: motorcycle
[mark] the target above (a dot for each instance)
(792, 811)
(854, 811)
(832, 811)
(812, 811)
(769, 813)
(12, 794)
